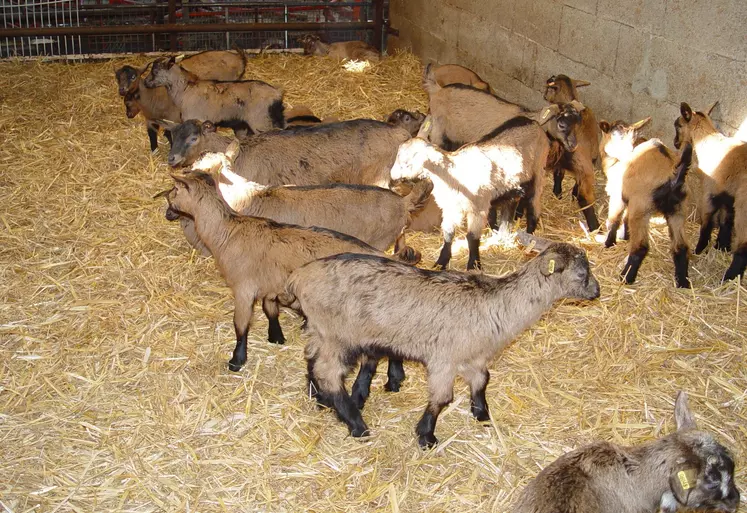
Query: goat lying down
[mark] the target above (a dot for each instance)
(452, 322)
(374, 215)
(686, 470)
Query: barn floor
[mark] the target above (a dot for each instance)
(114, 338)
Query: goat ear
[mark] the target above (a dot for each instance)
(181, 179)
(208, 127)
(165, 123)
(604, 126)
(682, 414)
(578, 106)
(686, 111)
(170, 63)
(551, 262)
(179, 58)
(581, 83)
(710, 110)
(640, 124)
(548, 113)
(233, 150)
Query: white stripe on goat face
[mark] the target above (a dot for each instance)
(725, 484)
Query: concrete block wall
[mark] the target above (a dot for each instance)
(643, 57)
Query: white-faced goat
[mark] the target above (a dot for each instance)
(353, 50)
(561, 89)
(686, 470)
(374, 215)
(454, 323)
(506, 164)
(360, 151)
(244, 105)
(461, 114)
(644, 180)
(256, 255)
(723, 162)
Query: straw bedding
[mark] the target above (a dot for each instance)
(114, 337)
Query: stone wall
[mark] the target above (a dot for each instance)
(643, 57)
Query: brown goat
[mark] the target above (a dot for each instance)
(221, 65)
(448, 74)
(253, 254)
(371, 214)
(243, 105)
(210, 65)
(687, 469)
(723, 162)
(468, 181)
(360, 151)
(354, 50)
(644, 180)
(153, 104)
(562, 89)
(347, 302)
(460, 114)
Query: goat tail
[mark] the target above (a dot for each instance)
(408, 255)
(684, 165)
(421, 191)
(288, 297)
(429, 80)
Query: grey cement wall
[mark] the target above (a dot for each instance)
(643, 57)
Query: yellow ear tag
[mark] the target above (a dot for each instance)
(427, 124)
(551, 267)
(530, 247)
(687, 478)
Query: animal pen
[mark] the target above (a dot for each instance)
(114, 335)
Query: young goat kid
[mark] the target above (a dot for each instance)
(686, 470)
(353, 50)
(371, 214)
(256, 255)
(461, 114)
(644, 180)
(244, 105)
(507, 163)
(723, 162)
(454, 323)
(561, 89)
(448, 74)
(360, 151)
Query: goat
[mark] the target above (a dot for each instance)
(461, 114)
(153, 104)
(371, 214)
(353, 50)
(687, 469)
(644, 180)
(448, 74)
(210, 65)
(360, 151)
(723, 163)
(255, 255)
(468, 181)
(347, 302)
(561, 89)
(301, 116)
(243, 105)
(221, 65)
(410, 121)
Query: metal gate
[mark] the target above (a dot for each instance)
(81, 27)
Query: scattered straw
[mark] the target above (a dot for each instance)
(114, 337)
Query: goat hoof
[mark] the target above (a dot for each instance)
(684, 284)
(277, 340)
(392, 386)
(699, 249)
(427, 441)
(608, 243)
(722, 247)
(359, 431)
(481, 415)
(235, 366)
(627, 279)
